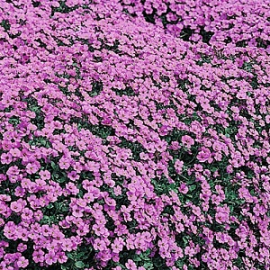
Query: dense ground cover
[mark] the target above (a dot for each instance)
(134, 134)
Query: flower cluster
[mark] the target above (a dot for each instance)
(241, 23)
(123, 146)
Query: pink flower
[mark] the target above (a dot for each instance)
(198, 167)
(99, 244)
(38, 215)
(118, 245)
(106, 121)
(183, 188)
(117, 191)
(130, 265)
(32, 168)
(46, 230)
(117, 268)
(21, 247)
(204, 155)
(52, 245)
(19, 191)
(110, 202)
(187, 141)
(83, 230)
(64, 163)
(67, 245)
(178, 165)
(27, 214)
(25, 155)
(16, 206)
(175, 145)
(50, 258)
(72, 188)
(40, 184)
(6, 158)
(13, 170)
(104, 256)
(222, 214)
(15, 152)
(164, 130)
(62, 258)
(100, 230)
(77, 211)
(73, 176)
(22, 262)
(45, 175)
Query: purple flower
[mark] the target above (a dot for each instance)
(32, 168)
(22, 262)
(204, 155)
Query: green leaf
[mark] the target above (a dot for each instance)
(46, 220)
(81, 255)
(145, 255)
(192, 187)
(55, 176)
(213, 169)
(180, 264)
(35, 109)
(137, 258)
(79, 264)
(64, 209)
(70, 256)
(53, 165)
(185, 239)
(50, 206)
(148, 266)
(61, 180)
(172, 187)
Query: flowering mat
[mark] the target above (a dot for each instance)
(134, 134)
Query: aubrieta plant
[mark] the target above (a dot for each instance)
(134, 135)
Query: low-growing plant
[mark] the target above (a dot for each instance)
(134, 135)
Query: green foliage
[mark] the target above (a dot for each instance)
(14, 120)
(144, 260)
(40, 141)
(101, 131)
(79, 264)
(63, 8)
(135, 147)
(128, 91)
(5, 24)
(97, 87)
(161, 185)
(159, 263)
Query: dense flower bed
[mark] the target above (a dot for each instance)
(134, 134)
(242, 23)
